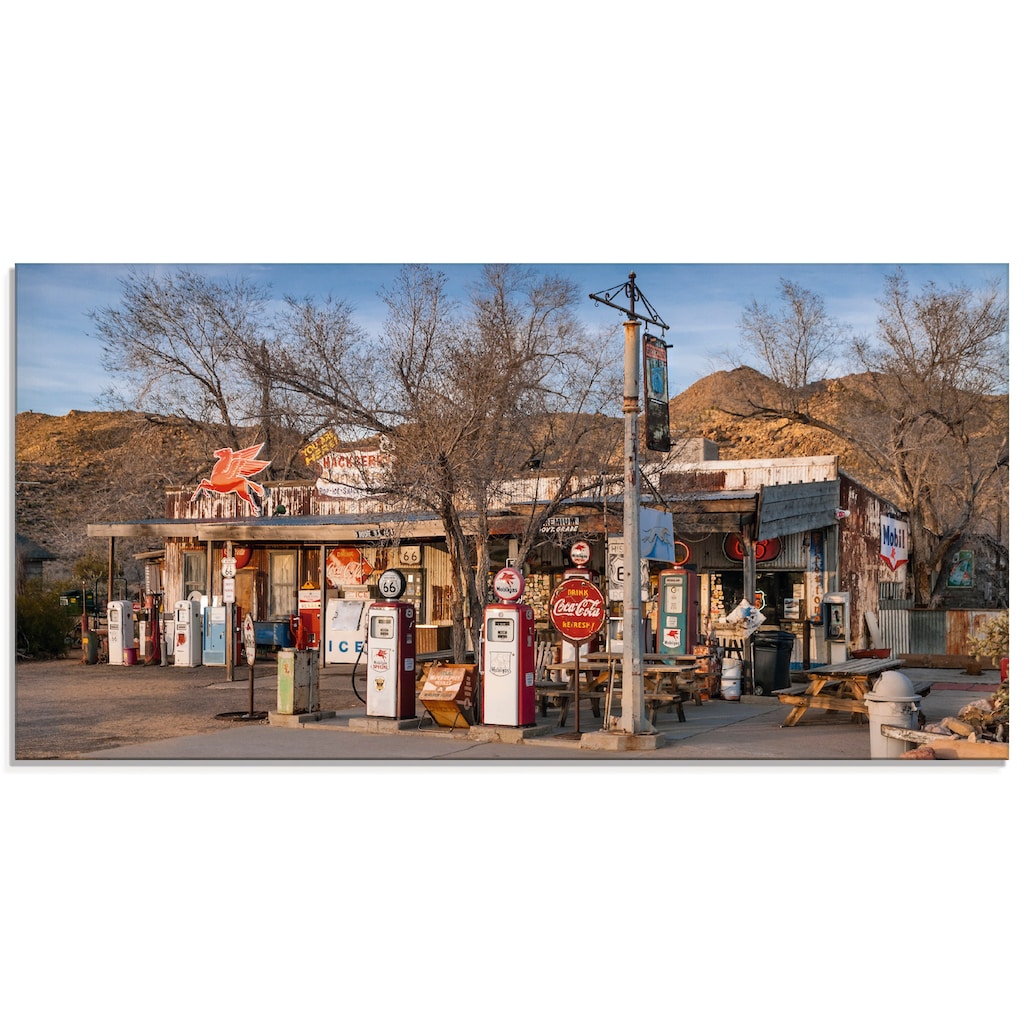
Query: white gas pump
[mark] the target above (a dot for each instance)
(835, 608)
(187, 632)
(120, 631)
(391, 652)
(508, 654)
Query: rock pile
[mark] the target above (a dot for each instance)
(981, 721)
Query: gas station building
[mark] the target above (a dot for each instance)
(796, 538)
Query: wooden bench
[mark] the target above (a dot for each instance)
(922, 688)
(842, 687)
(561, 695)
(656, 702)
(564, 696)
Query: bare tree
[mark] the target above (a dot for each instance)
(464, 399)
(200, 349)
(795, 341)
(487, 396)
(928, 411)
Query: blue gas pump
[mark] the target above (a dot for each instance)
(215, 634)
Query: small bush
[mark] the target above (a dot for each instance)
(995, 642)
(42, 623)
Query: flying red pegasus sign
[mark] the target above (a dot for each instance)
(231, 475)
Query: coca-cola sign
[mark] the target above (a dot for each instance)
(577, 610)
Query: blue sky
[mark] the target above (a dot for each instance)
(58, 356)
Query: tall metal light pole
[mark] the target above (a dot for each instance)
(634, 718)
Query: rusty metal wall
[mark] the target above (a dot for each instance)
(908, 630)
(894, 625)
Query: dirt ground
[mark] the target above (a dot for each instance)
(65, 708)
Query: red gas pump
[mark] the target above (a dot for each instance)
(391, 652)
(309, 616)
(508, 655)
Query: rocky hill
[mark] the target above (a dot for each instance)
(96, 466)
(100, 466)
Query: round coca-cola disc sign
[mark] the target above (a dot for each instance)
(576, 610)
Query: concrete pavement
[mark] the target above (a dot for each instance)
(723, 731)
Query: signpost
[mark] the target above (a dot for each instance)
(249, 639)
(577, 611)
(249, 643)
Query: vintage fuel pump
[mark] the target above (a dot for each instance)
(120, 632)
(215, 634)
(678, 611)
(391, 647)
(835, 610)
(508, 654)
(188, 633)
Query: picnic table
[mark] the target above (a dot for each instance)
(840, 687)
(668, 682)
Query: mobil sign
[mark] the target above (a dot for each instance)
(895, 547)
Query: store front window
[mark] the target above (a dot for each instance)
(772, 590)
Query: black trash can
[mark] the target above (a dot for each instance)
(771, 660)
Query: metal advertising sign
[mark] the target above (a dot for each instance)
(659, 438)
(894, 547)
(231, 474)
(352, 474)
(561, 524)
(320, 446)
(764, 550)
(577, 610)
(249, 639)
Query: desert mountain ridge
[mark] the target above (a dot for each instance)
(101, 466)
